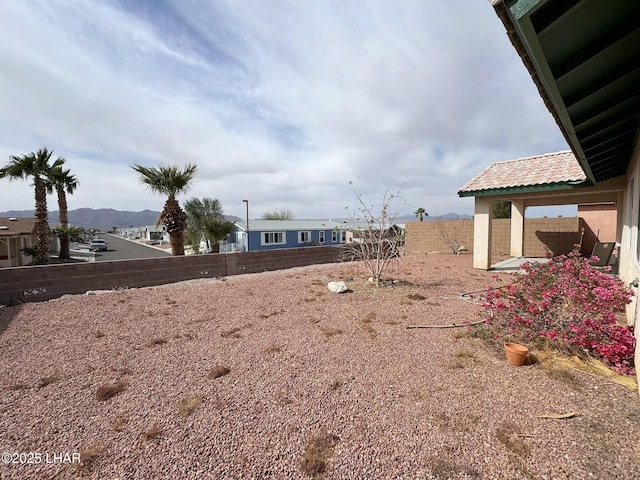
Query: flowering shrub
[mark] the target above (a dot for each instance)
(571, 304)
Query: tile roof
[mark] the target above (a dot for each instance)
(17, 226)
(538, 170)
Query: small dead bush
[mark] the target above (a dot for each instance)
(416, 296)
(272, 349)
(105, 392)
(511, 436)
(369, 317)
(231, 333)
(330, 331)
(19, 386)
(154, 342)
(218, 371)
(188, 405)
(89, 456)
(152, 433)
(44, 381)
(119, 424)
(336, 384)
(317, 452)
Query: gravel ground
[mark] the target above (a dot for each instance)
(316, 381)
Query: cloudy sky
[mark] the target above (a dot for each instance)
(280, 102)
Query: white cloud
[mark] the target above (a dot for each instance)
(282, 103)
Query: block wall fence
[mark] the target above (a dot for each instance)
(559, 234)
(45, 282)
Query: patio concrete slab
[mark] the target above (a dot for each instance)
(514, 264)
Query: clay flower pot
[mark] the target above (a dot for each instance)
(516, 353)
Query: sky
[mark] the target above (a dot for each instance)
(280, 102)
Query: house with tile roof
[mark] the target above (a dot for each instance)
(583, 57)
(539, 180)
(15, 235)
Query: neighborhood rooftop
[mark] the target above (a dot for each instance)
(560, 169)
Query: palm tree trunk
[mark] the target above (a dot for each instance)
(177, 243)
(42, 226)
(64, 225)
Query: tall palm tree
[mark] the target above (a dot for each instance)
(35, 165)
(170, 181)
(421, 213)
(62, 182)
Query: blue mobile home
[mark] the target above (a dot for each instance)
(272, 234)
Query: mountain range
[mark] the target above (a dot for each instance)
(106, 218)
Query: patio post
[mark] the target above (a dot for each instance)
(482, 233)
(517, 228)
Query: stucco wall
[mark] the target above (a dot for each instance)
(559, 234)
(600, 223)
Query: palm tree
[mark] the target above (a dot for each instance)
(421, 213)
(216, 229)
(62, 182)
(170, 181)
(35, 165)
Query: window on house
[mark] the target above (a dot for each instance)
(304, 237)
(273, 238)
(321, 236)
(334, 236)
(343, 237)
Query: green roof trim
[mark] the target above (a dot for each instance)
(549, 187)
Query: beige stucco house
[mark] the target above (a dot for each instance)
(15, 235)
(583, 57)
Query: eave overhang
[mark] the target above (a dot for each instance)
(584, 57)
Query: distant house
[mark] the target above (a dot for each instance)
(272, 234)
(15, 235)
(153, 233)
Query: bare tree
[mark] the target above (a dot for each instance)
(279, 214)
(376, 239)
(451, 233)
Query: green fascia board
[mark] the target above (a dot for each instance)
(520, 8)
(549, 187)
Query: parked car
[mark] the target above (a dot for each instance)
(98, 245)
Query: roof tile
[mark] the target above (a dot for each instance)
(537, 170)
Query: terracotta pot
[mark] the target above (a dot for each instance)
(516, 353)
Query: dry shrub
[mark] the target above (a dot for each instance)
(44, 381)
(416, 296)
(89, 456)
(105, 392)
(231, 333)
(510, 435)
(267, 315)
(336, 384)
(218, 371)
(154, 342)
(188, 405)
(119, 423)
(271, 349)
(369, 317)
(330, 331)
(152, 433)
(99, 334)
(317, 452)
(19, 386)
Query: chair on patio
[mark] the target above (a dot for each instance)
(603, 251)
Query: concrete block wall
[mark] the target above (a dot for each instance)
(559, 234)
(44, 282)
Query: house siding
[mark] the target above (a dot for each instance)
(256, 239)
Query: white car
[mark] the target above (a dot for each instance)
(98, 245)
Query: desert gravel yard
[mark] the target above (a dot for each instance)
(272, 376)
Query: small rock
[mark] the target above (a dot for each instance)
(337, 287)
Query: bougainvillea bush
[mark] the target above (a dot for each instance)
(569, 303)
